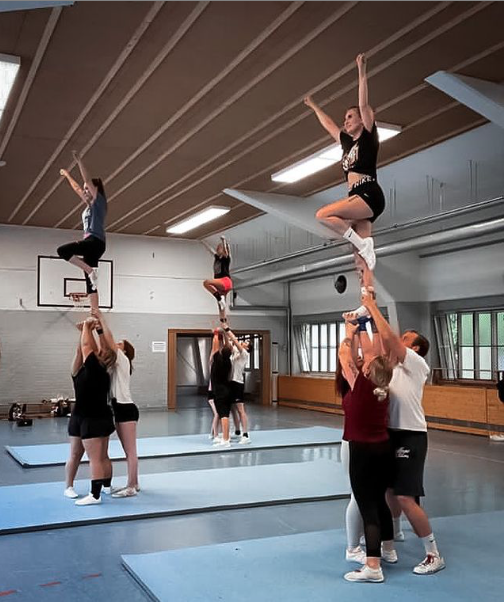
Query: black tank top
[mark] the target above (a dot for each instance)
(221, 266)
(360, 155)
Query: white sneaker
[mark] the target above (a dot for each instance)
(368, 254)
(88, 500)
(235, 437)
(353, 316)
(356, 555)
(93, 277)
(222, 304)
(126, 492)
(224, 443)
(399, 536)
(497, 437)
(244, 440)
(71, 493)
(432, 563)
(217, 440)
(389, 556)
(366, 575)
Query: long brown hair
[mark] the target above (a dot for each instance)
(129, 352)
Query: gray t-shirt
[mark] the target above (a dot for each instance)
(93, 218)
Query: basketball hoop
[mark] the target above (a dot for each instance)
(79, 300)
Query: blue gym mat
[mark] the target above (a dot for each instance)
(32, 456)
(310, 567)
(42, 506)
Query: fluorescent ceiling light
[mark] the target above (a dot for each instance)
(9, 66)
(207, 215)
(325, 158)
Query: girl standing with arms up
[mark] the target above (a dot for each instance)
(86, 253)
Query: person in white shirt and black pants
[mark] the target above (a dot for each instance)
(239, 360)
(408, 433)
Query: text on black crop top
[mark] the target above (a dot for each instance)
(360, 155)
(221, 266)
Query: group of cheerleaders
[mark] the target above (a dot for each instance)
(380, 377)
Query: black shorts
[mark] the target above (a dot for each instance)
(372, 195)
(90, 249)
(410, 452)
(90, 428)
(237, 392)
(125, 412)
(222, 400)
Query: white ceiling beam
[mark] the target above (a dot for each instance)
(294, 210)
(484, 97)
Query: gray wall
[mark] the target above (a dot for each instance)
(38, 347)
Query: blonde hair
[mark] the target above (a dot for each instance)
(380, 374)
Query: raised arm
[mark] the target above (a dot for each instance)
(345, 355)
(88, 180)
(211, 250)
(215, 343)
(225, 246)
(325, 121)
(367, 113)
(77, 361)
(391, 341)
(103, 330)
(88, 342)
(76, 187)
(230, 335)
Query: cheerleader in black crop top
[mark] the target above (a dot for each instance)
(352, 217)
(220, 285)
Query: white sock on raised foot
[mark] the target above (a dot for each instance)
(353, 238)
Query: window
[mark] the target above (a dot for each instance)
(470, 344)
(318, 345)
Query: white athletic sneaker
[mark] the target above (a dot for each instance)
(217, 440)
(432, 563)
(126, 492)
(399, 536)
(224, 443)
(222, 304)
(88, 500)
(366, 575)
(357, 555)
(368, 254)
(353, 316)
(497, 437)
(71, 493)
(93, 277)
(389, 556)
(244, 440)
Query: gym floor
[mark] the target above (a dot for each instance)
(463, 476)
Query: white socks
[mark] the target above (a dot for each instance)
(354, 524)
(430, 545)
(352, 237)
(397, 525)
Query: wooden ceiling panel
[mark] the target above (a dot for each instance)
(168, 138)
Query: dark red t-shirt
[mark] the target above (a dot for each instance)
(366, 418)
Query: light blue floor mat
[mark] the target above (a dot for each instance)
(31, 456)
(309, 567)
(42, 506)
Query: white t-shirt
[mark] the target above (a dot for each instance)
(406, 390)
(120, 381)
(239, 360)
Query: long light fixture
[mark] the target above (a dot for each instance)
(325, 158)
(9, 67)
(202, 217)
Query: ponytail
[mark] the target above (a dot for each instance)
(381, 393)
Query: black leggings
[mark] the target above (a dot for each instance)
(90, 249)
(370, 469)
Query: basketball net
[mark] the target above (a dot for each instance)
(79, 300)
